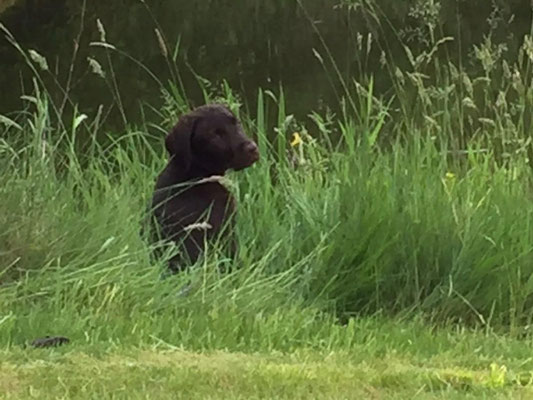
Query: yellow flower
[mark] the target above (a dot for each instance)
(296, 139)
(450, 176)
(498, 375)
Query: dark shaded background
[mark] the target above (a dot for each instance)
(251, 43)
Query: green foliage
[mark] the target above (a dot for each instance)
(348, 228)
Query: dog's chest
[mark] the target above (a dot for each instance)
(209, 202)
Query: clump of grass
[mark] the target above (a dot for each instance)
(357, 231)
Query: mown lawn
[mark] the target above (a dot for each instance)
(452, 366)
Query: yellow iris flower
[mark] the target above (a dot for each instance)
(296, 139)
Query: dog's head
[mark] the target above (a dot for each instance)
(211, 139)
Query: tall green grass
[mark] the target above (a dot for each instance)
(339, 230)
(414, 203)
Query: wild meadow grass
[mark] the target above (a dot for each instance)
(399, 228)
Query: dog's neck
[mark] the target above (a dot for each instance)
(197, 170)
(203, 169)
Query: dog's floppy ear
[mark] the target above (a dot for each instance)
(178, 141)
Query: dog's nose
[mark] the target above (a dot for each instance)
(251, 149)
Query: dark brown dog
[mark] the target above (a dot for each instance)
(190, 204)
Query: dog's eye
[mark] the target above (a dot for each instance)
(220, 132)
